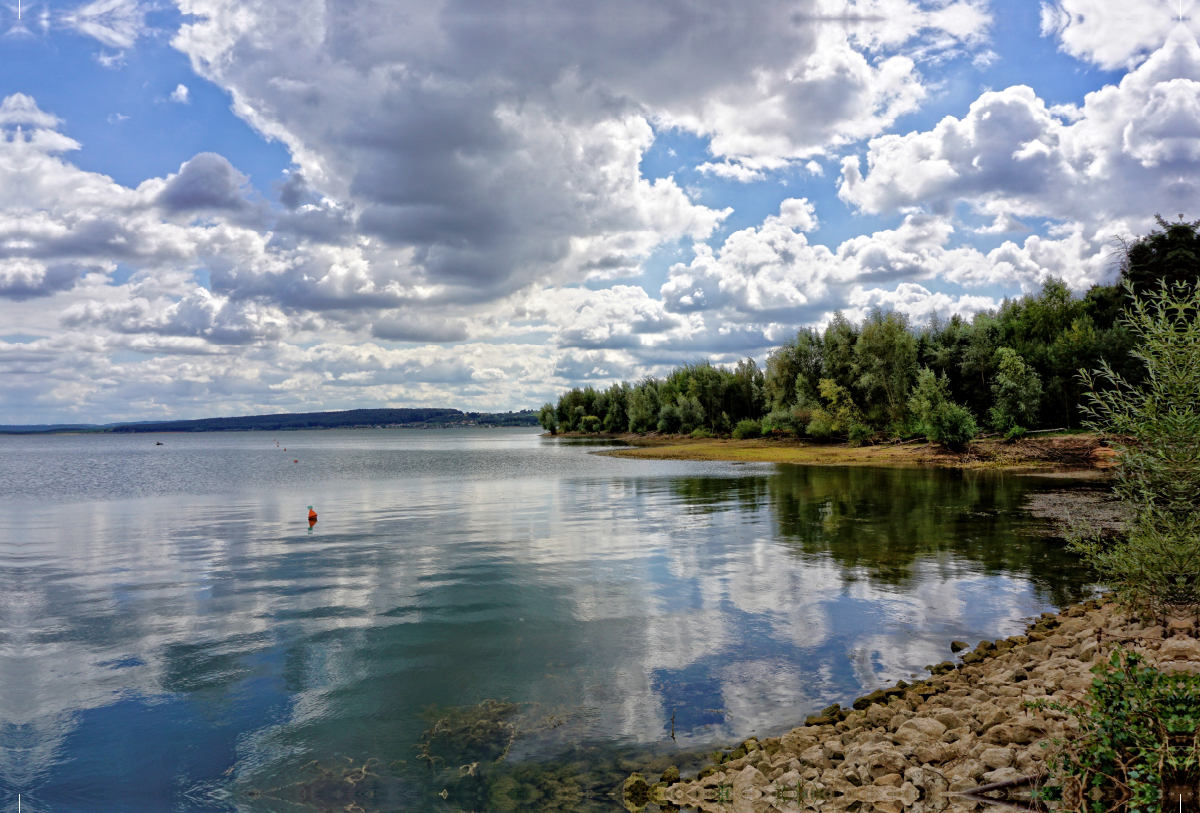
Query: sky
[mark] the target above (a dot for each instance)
(211, 207)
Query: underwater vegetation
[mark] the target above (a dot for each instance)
(464, 762)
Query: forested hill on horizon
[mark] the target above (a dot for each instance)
(346, 419)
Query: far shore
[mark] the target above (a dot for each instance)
(1080, 453)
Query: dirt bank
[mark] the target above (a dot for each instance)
(1045, 452)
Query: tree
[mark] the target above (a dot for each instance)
(837, 351)
(838, 416)
(1017, 392)
(691, 413)
(939, 418)
(794, 370)
(548, 418)
(1170, 255)
(644, 406)
(1156, 431)
(885, 360)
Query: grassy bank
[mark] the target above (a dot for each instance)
(1054, 452)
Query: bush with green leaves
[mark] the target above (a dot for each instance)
(747, 429)
(668, 419)
(1155, 428)
(1017, 392)
(788, 421)
(701, 434)
(937, 416)
(589, 423)
(1138, 738)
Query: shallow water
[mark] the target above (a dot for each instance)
(174, 636)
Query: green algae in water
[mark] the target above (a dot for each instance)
(463, 764)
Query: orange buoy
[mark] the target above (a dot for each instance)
(295, 461)
(311, 513)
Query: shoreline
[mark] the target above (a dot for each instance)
(1080, 453)
(919, 747)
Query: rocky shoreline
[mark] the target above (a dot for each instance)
(937, 744)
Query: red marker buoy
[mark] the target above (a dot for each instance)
(312, 515)
(295, 461)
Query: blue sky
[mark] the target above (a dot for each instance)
(220, 208)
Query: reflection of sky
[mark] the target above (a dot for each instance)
(204, 629)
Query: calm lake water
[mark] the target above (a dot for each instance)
(174, 636)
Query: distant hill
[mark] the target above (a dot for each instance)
(24, 429)
(348, 419)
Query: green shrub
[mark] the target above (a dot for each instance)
(701, 433)
(589, 423)
(839, 413)
(668, 419)
(938, 418)
(1015, 433)
(860, 433)
(747, 429)
(1139, 732)
(780, 422)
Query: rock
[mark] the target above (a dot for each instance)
(636, 791)
(932, 753)
(670, 776)
(818, 719)
(949, 719)
(898, 719)
(815, 757)
(971, 769)
(869, 700)
(990, 719)
(799, 740)
(996, 758)
(885, 761)
(1026, 731)
(1019, 674)
(879, 715)
(833, 749)
(889, 780)
(972, 657)
(959, 646)
(918, 730)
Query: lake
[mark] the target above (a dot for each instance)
(480, 618)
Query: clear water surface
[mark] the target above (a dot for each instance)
(174, 635)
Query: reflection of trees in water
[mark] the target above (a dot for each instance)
(883, 521)
(711, 494)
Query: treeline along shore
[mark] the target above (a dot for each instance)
(1008, 371)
